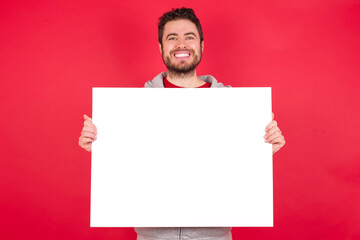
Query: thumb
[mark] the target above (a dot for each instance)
(86, 117)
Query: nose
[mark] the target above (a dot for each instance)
(181, 44)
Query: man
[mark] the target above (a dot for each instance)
(181, 45)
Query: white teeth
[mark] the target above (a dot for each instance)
(182, 55)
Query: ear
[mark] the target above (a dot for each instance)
(160, 48)
(202, 46)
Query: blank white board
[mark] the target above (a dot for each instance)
(181, 158)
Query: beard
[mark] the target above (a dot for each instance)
(181, 69)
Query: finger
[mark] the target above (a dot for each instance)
(86, 146)
(86, 117)
(88, 123)
(282, 141)
(272, 137)
(271, 131)
(85, 140)
(89, 129)
(270, 125)
(275, 148)
(89, 135)
(278, 140)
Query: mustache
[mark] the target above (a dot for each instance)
(178, 50)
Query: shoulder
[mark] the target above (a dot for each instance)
(157, 81)
(213, 81)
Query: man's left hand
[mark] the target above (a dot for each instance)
(274, 136)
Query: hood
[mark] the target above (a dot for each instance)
(157, 82)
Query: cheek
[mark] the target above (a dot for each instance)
(198, 49)
(168, 46)
(166, 50)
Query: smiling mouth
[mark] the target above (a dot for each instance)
(182, 54)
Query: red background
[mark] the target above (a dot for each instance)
(54, 52)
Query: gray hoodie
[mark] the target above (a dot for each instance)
(158, 82)
(179, 233)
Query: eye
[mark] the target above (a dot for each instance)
(189, 38)
(172, 38)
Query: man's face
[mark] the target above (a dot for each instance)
(181, 49)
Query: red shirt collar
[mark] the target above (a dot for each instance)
(168, 84)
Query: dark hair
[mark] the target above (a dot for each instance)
(177, 14)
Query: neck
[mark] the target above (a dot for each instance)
(186, 80)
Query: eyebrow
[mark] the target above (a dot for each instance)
(190, 33)
(171, 34)
(175, 34)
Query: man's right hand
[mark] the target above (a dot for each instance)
(88, 134)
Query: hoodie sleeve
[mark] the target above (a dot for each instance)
(148, 84)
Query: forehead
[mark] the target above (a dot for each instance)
(180, 26)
